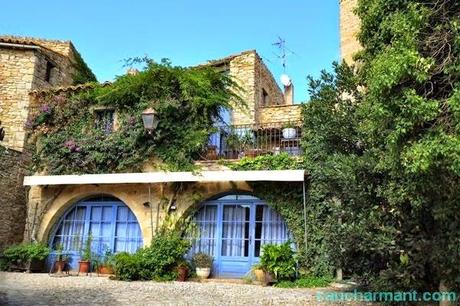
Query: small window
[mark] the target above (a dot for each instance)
(49, 71)
(105, 120)
(265, 98)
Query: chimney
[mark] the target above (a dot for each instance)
(289, 94)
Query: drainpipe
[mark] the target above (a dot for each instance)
(151, 210)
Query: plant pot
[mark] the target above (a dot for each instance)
(59, 266)
(182, 273)
(35, 265)
(105, 270)
(268, 278)
(211, 152)
(260, 275)
(289, 133)
(84, 266)
(203, 273)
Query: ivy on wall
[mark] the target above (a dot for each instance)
(188, 101)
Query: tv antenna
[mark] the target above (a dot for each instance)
(283, 51)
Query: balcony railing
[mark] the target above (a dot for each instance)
(237, 141)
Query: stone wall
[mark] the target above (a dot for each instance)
(252, 75)
(349, 27)
(242, 71)
(17, 69)
(13, 197)
(22, 70)
(47, 204)
(281, 113)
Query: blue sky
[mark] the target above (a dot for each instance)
(185, 31)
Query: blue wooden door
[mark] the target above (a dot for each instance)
(233, 230)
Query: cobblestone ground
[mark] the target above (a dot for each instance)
(41, 289)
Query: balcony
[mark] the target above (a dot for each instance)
(238, 141)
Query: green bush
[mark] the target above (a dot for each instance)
(21, 254)
(155, 262)
(280, 260)
(202, 260)
(305, 282)
(158, 261)
(127, 266)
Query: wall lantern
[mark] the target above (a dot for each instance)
(150, 119)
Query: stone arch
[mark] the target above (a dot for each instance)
(73, 195)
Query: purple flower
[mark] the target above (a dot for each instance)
(60, 99)
(30, 123)
(132, 121)
(72, 146)
(45, 108)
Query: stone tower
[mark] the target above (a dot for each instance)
(349, 27)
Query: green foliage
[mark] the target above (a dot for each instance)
(202, 260)
(306, 282)
(155, 262)
(83, 73)
(85, 250)
(21, 254)
(68, 142)
(127, 266)
(279, 259)
(282, 161)
(382, 150)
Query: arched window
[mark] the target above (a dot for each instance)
(111, 224)
(233, 229)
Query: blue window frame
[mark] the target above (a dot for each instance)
(233, 229)
(110, 222)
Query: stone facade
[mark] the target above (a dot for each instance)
(13, 196)
(48, 204)
(349, 27)
(27, 64)
(258, 89)
(280, 113)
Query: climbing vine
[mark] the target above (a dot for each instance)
(188, 101)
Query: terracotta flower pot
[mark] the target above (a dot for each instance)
(182, 273)
(260, 275)
(84, 266)
(105, 270)
(59, 265)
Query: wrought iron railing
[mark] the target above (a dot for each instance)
(237, 141)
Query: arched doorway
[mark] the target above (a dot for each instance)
(109, 221)
(233, 230)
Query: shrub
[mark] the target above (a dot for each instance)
(279, 259)
(202, 260)
(127, 266)
(21, 254)
(157, 261)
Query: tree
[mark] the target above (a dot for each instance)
(382, 146)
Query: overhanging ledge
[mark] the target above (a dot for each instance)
(167, 177)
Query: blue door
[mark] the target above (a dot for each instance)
(109, 221)
(233, 230)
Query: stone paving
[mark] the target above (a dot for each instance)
(41, 289)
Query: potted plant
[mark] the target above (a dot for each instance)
(61, 260)
(106, 263)
(233, 144)
(85, 256)
(182, 271)
(289, 130)
(36, 254)
(259, 272)
(203, 264)
(278, 261)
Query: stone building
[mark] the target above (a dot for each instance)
(26, 64)
(124, 211)
(349, 28)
